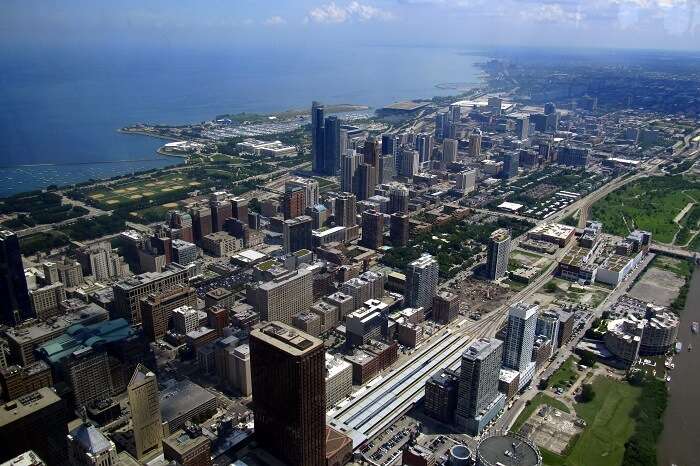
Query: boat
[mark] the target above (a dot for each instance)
(668, 378)
(679, 347)
(695, 327)
(690, 347)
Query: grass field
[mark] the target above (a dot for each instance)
(112, 197)
(609, 424)
(650, 204)
(565, 376)
(537, 401)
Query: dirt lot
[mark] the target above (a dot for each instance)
(657, 286)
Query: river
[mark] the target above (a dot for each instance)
(679, 440)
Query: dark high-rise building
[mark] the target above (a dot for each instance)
(390, 144)
(297, 233)
(220, 211)
(331, 146)
(317, 137)
(239, 208)
(498, 253)
(399, 227)
(370, 152)
(522, 128)
(201, 222)
(36, 421)
(549, 108)
(511, 162)
(445, 307)
(289, 392)
(442, 123)
(14, 304)
(440, 399)
(366, 181)
(294, 201)
(398, 199)
(478, 399)
(424, 146)
(372, 229)
(345, 210)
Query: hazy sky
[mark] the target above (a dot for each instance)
(664, 24)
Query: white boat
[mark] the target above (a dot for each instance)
(695, 327)
(679, 347)
(668, 378)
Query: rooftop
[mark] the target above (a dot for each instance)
(508, 450)
(286, 338)
(181, 397)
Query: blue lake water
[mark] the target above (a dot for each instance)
(60, 109)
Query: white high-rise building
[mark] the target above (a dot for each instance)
(449, 150)
(409, 163)
(466, 181)
(310, 187)
(185, 319)
(520, 338)
(498, 253)
(348, 168)
(421, 282)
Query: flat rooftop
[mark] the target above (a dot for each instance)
(507, 450)
(182, 397)
(286, 338)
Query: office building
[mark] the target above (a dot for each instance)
(511, 162)
(390, 144)
(28, 458)
(547, 325)
(50, 272)
(522, 128)
(36, 421)
(345, 210)
(144, 405)
(17, 381)
(293, 201)
(338, 380)
(184, 401)
(45, 300)
(283, 297)
(297, 234)
(398, 199)
(449, 150)
(70, 273)
(188, 447)
(317, 138)
(128, 292)
(221, 209)
(478, 398)
(409, 163)
(185, 319)
(331, 145)
(424, 146)
(399, 229)
(348, 171)
(239, 208)
(87, 446)
(102, 262)
(288, 374)
(475, 144)
(498, 253)
(182, 222)
(366, 181)
(239, 370)
(440, 401)
(466, 181)
(421, 282)
(520, 338)
(157, 309)
(88, 375)
(310, 187)
(445, 307)
(15, 305)
(372, 229)
(221, 244)
(184, 253)
(201, 222)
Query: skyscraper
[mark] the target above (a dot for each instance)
(317, 137)
(424, 146)
(366, 181)
(310, 187)
(145, 412)
(442, 122)
(399, 228)
(331, 146)
(421, 282)
(548, 326)
(522, 128)
(478, 399)
(520, 338)
(466, 181)
(297, 233)
(289, 392)
(293, 202)
(345, 210)
(475, 144)
(283, 297)
(498, 252)
(449, 150)
(348, 171)
(372, 229)
(14, 305)
(408, 162)
(398, 198)
(390, 144)
(511, 162)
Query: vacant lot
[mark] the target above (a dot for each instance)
(537, 401)
(658, 285)
(650, 204)
(609, 425)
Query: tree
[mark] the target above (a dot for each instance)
(587, 393)
(551, 287)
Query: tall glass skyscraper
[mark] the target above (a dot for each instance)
(14, 305)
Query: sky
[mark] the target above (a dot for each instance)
(647, 24)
